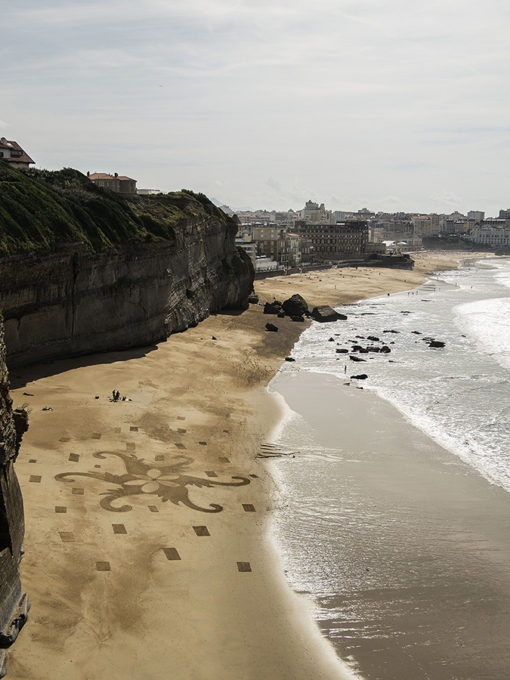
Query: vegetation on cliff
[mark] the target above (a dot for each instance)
(42, 210)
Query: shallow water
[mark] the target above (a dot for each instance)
(405, 545)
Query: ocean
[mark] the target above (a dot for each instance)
(394, 508)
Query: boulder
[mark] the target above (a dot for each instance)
(385, 350)
(272, 307)
(436, 343)
(289, 359)
(295, 306)
(361, 376)
(281, 315)
(297, 317)
(352, 358)
(373, 338)
(253, 299)
(325, 313)
(342, 351)
(271, 327)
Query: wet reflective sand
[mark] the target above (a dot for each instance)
(405, 548)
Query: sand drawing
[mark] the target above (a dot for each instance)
(169, 481)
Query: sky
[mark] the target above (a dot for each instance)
(385, 104)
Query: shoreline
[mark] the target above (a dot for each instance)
(194, 396)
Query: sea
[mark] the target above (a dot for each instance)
(394, 491)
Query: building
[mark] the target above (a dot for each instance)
(247, 244)
(494, 233)
(117, 183)
(335, 241)
(313, 213)
(477, 215)
(12, 152)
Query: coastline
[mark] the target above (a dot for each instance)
(206, 399)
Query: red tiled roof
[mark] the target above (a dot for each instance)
(14, 146)
(105, 175)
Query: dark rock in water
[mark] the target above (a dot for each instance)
(361, 376)
(297, 317)
(331, 340)
(342, 351)
(372, 348)
(391, 331)
(271, 327)
(405, 312)
(253, 299)
(360, 337)
(272, 307)
(325, 313)
(372, 338)
(289, 359)
(416, 332)
(436, 343)
(281, 315)
(357, 348)
(385, 350)
(295, 305)
(352, 358)
(427, 339)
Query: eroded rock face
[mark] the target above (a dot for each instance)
(13, 602)
(76, 301)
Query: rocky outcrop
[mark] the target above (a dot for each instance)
(76, 300)
(324, 313)
(13, 602)
(295, 306)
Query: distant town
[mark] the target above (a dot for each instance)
(277, 240)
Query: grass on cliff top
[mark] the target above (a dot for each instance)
(41, 210)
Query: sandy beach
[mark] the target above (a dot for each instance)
(147, 553)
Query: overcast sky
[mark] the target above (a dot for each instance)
(385, 104)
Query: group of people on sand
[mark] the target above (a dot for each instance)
(116, 396)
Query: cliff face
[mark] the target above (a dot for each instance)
(13, 602)
(77, 298)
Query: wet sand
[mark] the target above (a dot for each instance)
(420, 540)
(131, 577)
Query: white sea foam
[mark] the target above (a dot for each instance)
(459, 395)
(488, 322)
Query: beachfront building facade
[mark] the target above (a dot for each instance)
(335, 241)
(493, 233)
(117, 183)
(12, 152)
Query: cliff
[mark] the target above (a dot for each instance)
(13, 602)
(84, 270)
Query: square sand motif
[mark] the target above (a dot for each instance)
(96, 435)
(35, 478)
(171, 554)
(130, 446)
(211, 473)
(133, 428)
(119, 529)
(203, 443)
(153, 508)
(248, 507)
(77, 491)
(201, 531)
(102, 566)
(179, 445)
(74, 457)
(60, 508)
(66, 536)
(224, 459)
(160, 457)
(32, 460)
(243, 566)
